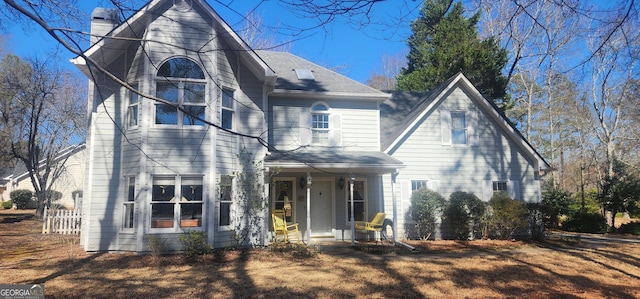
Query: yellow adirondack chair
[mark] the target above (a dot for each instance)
(283, 232)
(375, 225)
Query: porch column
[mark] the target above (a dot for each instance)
(308, 208)
(394, 227)
(353, 220)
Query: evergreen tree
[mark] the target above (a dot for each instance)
(445, 42)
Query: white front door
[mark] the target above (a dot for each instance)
(321, 208)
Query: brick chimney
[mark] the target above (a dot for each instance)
(103, 20)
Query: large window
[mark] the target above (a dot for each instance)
(129, 203)
(283, 198)
(132, 109)
(227, 111)
(181, 82)
(320, 124)
(458, 128)
(226, 188)
(176, 202)
(359, 201)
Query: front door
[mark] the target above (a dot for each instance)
(321, 208)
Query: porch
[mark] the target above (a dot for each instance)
(326, 191)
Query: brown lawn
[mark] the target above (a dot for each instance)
(442, 269)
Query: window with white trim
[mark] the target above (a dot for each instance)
(459, 128)
(227, 110)
(499, 186)
(320, 124)
(132, 109)
(176, 202)
(359, 201)
(283, 198)
(490, 187)
(181, 82)
(225, 200)
(129, 203)
(418, 184)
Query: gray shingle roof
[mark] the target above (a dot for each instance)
(326, 80)
(398, 112)
(334, 159)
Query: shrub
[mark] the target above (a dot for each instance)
(426, 210)
(156, 245)
(464, 213)
(7, 204)
(22, 198)
(555, 202)
(629, 228)
(586, 223)
(194, 243)
(508, 215)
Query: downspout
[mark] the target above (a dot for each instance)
(394, 175)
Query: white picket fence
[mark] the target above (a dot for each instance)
(66, 222)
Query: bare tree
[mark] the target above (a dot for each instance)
(41, 114)
(257, 36)
(384, 78)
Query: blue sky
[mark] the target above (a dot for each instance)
(357, 51)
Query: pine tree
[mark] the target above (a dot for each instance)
(445, 42)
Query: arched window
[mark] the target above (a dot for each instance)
(320, 124)
(181, 82)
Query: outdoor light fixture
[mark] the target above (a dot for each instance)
(341, 183)
(302, 182)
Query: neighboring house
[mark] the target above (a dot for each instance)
(156, 170)
(71, 177)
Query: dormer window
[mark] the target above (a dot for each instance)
(181, 82)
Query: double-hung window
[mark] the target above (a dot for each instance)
(227, 111)
(129, 203)
(225, 200)
(181, 82)
(132, 109)
(359, 201)
(320, 124)
(176, 202)
(459, 128)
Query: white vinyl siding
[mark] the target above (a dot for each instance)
(353, 125)
(461, 168)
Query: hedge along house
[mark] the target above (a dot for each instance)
(222, 113)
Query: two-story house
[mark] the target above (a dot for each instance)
(187, 103)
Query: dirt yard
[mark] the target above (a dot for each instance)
(442, 269)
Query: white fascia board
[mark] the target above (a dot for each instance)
(329, 95)
(418, 119)
(505, 125)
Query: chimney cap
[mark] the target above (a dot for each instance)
(105, 14)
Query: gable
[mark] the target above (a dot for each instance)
(398, 124)
(191, 27)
